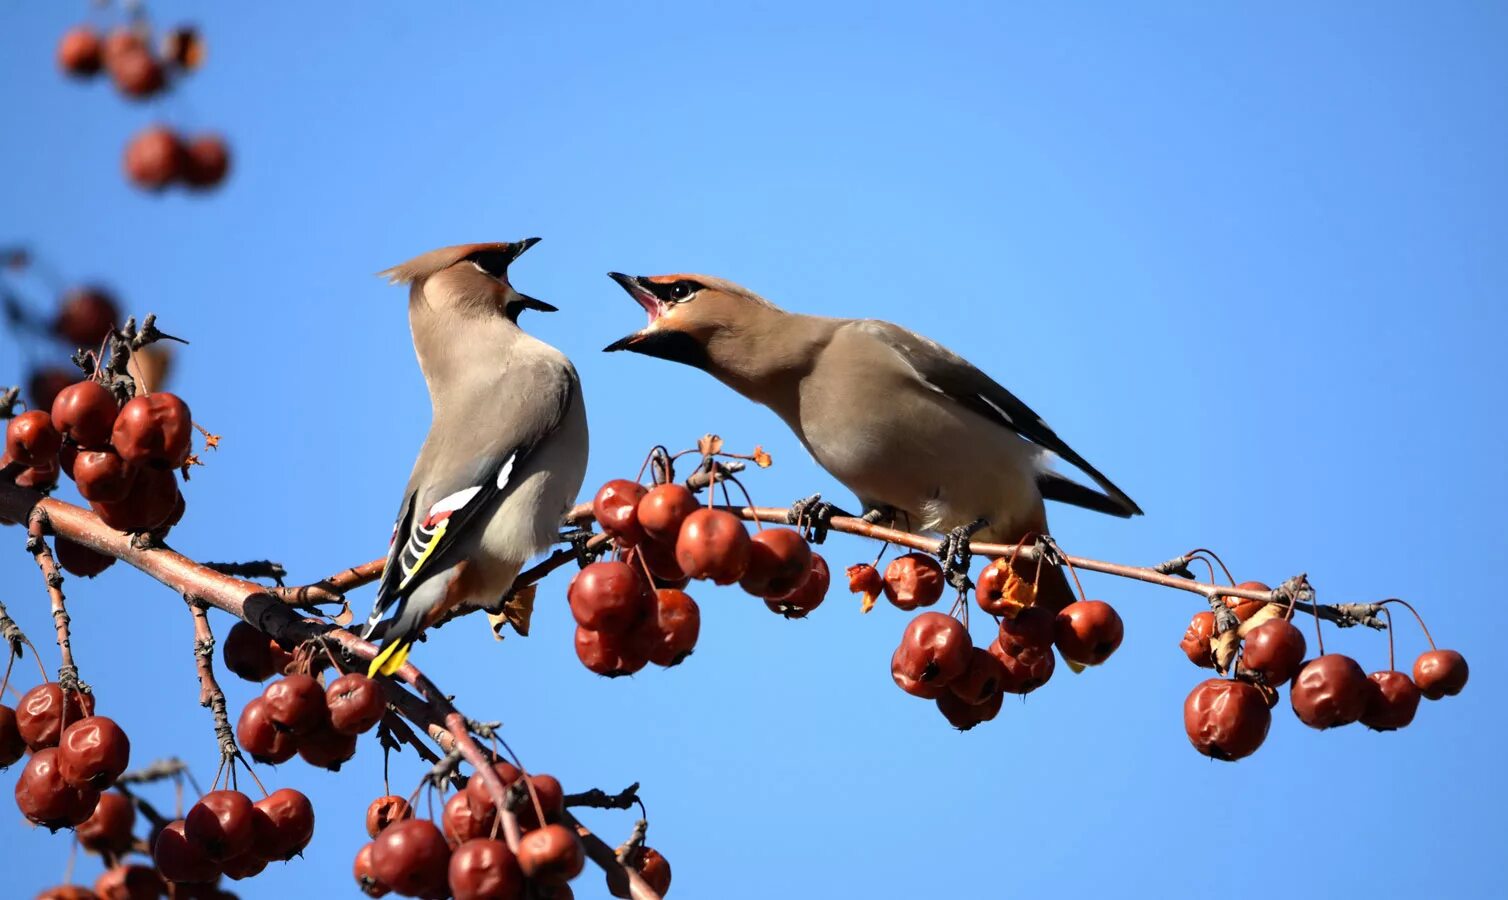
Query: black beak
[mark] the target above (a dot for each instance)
(623, 343)
(627, 282)
(518, 248)
(531, 303)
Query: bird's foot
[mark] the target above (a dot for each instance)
(812, 517)
(1052, 554)
(880, 515)
(953, 551)
(579, 540)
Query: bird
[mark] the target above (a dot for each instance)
(506, 450)
(916, 432)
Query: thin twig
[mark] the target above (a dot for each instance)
(210, 694)
(37, 526)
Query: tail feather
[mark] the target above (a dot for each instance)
(394, 654)
(403, 629)
(1054, 486)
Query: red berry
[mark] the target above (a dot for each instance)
(1196, 640)
(660, 560)
(964, 715)
(1026, 668)
(663, 510)
(282, 825)
(154, 158)
(673, 628)
(608, 596)
(616, 509)
(981, 680)
(1273, 652)
(42, 713)
(102, 476)
(221, 825)
(865, 579)
(151, 504)
(93, 752)
(807, 595)
(84, 413)
(206, 161)
(86, 316)
(1004, 589)
(247, 865)
(249, 653)
(551, 855)
(44, 385)
(130, 883)
(934, 650)
(31, 440)
(779, 559)
(76, 559)
(913, 580)
(476, 787)
(1033, 628)
(412, 858)
(485, 869)
(366, 877)
(1329, 691)
(154, 429)
(109, 829)
(1440, 673)
(547, 790)
(384, 811)
(713, 544)
(179, 859)
(355, 702)
(46, 798)
(463, 822)
(1245, 609)
(183, 47)
(79, 51)
(326, 748)
(137, 75)
(1391, 703)
(296, 704)
(1088, 631)
(257, 735)
(651, 866)
(1226, 719)
(12, 745)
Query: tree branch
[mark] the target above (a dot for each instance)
(37, 526)
(210, 695)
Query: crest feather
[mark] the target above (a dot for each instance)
(427, 264)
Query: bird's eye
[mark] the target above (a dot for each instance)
(680, 290)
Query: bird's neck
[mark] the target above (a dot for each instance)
(460, 352)
(767, 354)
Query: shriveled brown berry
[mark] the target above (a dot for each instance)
(663, 510)
(1088, 631)
(296, 704)
(476, 787)
(1026, 668)
(31, 440)
(651, 866)
(674, 626)
(152, 503)
(86, 316)
(355, 702)
(206, 161)
(80, 51)
(93, 752)
(183, 47)
(84, 412)
(608, 596)
(384, 811)
(179, 859)
(154, 430)
(1033, 628)
(616, 509)
(326, 748)
(1196, 640)
(130, 882)
(1440, 673)
(546, 790)
(964, 715)
(485, 869)
(258, 736)
(612, 655)
(1392, 701)
(1003, 589)
(461, 821)
(12, 745)
(778, 561)
(659, 558)
(248, 653)
(1329, 691)
(44, 711)
(551, 855)
(43, 385)
(865, 579)
(1273, 652)
(1245, 609)
(109, 828)
(46, 798)
(982, 679)
(76, 559)
(807, 595)
(412, 858)
(283, 824)
(221, 824)
(913, 580)
(713, 544)
(934, 650)
(366, 877)
(1226, 719)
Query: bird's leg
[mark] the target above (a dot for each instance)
(955, 555)
(811, 516)
(578, 539)
(879, 515)
(1052, 554)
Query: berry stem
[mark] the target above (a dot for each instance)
(1319, 635)
(1210, 553)
(1418, 618)
(1388, 614)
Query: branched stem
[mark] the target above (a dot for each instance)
(37, 527)
(210, 694)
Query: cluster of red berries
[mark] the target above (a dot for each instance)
(296, 715)
(155, 157)
(225, 833)
(74, 754)
(1228, 718)
(122, 459)
(937, 660)
(632, 611)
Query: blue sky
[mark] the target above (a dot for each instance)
(1249, 261)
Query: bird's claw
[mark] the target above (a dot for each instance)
(954, 553)
(1052, 554)
(579, 539)
(812, 517)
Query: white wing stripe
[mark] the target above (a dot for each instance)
(454, 501)
(505, 471)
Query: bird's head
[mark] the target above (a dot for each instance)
(687, 313)
(469, 279)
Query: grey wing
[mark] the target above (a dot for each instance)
(950, 374)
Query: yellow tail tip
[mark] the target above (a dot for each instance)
(390, 660)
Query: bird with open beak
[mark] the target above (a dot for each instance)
(921, 436)
(506, 449)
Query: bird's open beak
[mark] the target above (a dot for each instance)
(518, 247)
(532, 303)
(651, 304)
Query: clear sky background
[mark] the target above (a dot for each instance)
(1249, 261)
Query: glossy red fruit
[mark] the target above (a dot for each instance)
(476, 787)
(179, 859)
(651, 866)
(154, 429)
(86, 316)
(136, 73)
(384, 811)
(109, 828)
(31, 440)
(616, 509)
(249, 653)
(485, 869)
(1196, 640)
(1245, 609)
(152, 503)
(1440, 673)
(355, 702)
(612, 655)
(1329, 691)
(326, 748)
(547, 791)
(1026, 668)
(713, 544)
(1391, 703)
(913, 580)
(221, 825)
(462, 822)
(412, 858)
(964, 715)
(663, 510)
(154, 158)
(282, 825)
(44, 711)
(206, 161)
(674, 627)
(1273, 652)
(934, 650)
(247, 865)
(296, 704)
(1088, 631)
(660, 559)
(806, 596)
(93, 752)
(84, 412)
(1226, 719)
(779, 559)
(608, 596)
(981, 680)
(258, 736)
(551, 855)
(1002, 589)
(130, 882)
(366, 877)
(76, 559)
(12, 746)
(36, 478)
(79, 52)
(102, 476)
(46, 798)
(1033, 628)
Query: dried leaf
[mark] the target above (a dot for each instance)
(518, 609)
(709, 445)
(867, 603)
(1268, 611)
(343, 618)
(761, 458)
(1223, 648)
(1075, 667)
